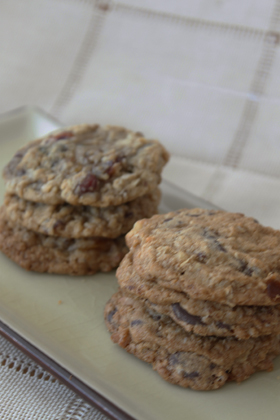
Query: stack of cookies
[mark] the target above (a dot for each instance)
(72, 195)
(199, 297)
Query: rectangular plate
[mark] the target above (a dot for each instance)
(71, 340)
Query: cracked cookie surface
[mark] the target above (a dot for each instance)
(42, 253)
(210, 255)
(183, 358)
(70, 221)
(86, 165)
(199, 316)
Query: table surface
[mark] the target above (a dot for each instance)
(202, 76)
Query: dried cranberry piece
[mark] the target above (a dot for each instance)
(89, 184)
(112, 165)
(58, 225)
(273, 289)
(110, 169)
(63, 135)
(201, 257)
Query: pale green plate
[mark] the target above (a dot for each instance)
(73, 334)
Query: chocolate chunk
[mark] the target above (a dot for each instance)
(19, 154)
(212, 236)
(167, 220)
(156, 317)
(220, 324)
(21, 172)
(184, 316)
(55, 162)
(190, 375)
(208, 234)
(174, 358)
(128, 215)
(245, 269)
(248, 271)
(63, 148)
(220, 246)
(43, 150)
(273, 290)
(89, 184)
(243, 265)
(178, 359)
(136, 322)
(111, 314)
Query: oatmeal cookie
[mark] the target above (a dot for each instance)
(186, 359)
(210, 255)
(42, 253)
(86, 165)
(70, 221)
(199, 316)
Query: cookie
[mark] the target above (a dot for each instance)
(42, 253)
(210, 255)
(86, 165)
(183, 358)
(80, 221)
(198, 316)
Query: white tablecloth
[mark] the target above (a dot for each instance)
(200, 75)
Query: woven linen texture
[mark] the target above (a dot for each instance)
(42, 397)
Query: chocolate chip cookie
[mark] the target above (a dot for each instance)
(210, 255)
(86, 165)
(37, 252)
(199, 316)
(183, 358)
(70, 221)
